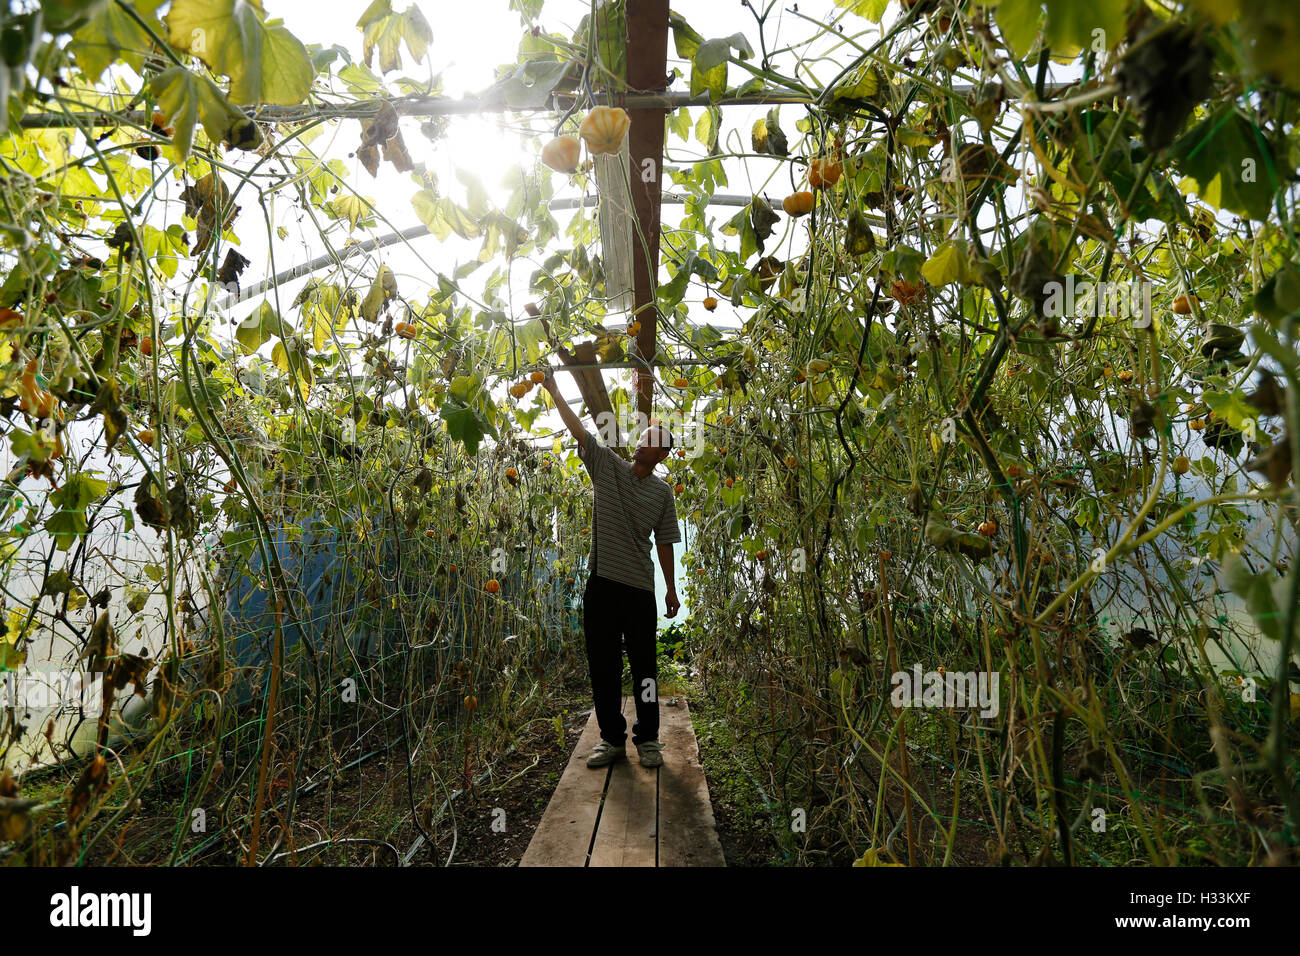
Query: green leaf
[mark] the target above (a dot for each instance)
(680, 123)
(265, 62)
(950, 263)
(112, 35)
(1257, 591)
(1231, 407)
(530, 86)
(385, 31)
(713, 81)
(685, 40)
(741, 225)
(259, 328)
(187, 99)
(904, 262)
(69, 522)
(1228, 164)
(382, 291)
(463, 425)
(716, 52)
(611, 38)
(1072, 24)
(1018, 21)
(708, 127)
(443, 217)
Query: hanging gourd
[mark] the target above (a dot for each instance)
(561, 154)
(798, 204)
(824, 173)
(604, 128)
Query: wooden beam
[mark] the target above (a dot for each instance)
(627, 833)
(688, 835)
(647, 72)
(565, 832)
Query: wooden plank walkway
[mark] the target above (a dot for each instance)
(629, 815)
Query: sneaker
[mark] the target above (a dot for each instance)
(651, 753)
(605, 753)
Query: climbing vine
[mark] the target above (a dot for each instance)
(991, 369)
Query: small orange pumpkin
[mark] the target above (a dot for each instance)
(561, 154)
(604, 128)
(824, 173)
(493, 586)
(907, 293)
(799, 204)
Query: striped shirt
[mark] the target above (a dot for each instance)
(625, 510)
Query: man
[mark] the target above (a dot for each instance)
(619, 601)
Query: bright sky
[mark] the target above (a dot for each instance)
(470, 42)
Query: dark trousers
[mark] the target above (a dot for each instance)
(615, 613)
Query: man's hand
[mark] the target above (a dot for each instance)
(571, 421)
(671, 604)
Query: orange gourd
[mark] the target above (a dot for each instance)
(799, 204)
(824, 173)
(561, 154)
(604, 128)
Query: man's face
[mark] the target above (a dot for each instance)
(653, 447)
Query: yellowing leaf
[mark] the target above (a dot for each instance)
(385, 30)
(949, 264)
(349, 207)
(862, 84)
(871, 10)
(382, 290)
(872, 858)
(265, 62)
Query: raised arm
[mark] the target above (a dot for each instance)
(567, 414)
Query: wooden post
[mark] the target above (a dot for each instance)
(647, 72)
